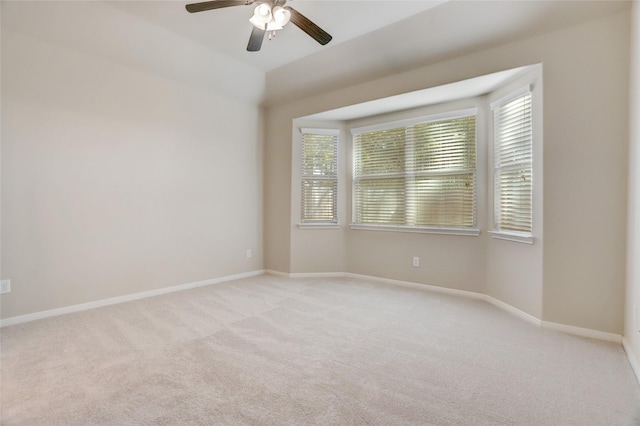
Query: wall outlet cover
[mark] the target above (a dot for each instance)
(5, 286)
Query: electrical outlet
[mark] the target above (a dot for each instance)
(5, 286)
(249, 253)
(416, 261)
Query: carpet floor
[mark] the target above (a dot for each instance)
(278, 351)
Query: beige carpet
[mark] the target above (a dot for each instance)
(276, 351)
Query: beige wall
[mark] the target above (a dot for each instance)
(277, 191)
(580, 279)
(585, 172)
(117, 179)
(632, 322)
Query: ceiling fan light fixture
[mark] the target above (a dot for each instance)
(268, 16)
(262, 15)
(281, 16)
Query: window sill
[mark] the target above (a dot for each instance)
(318, 226)
(513, 236)
(471, 232)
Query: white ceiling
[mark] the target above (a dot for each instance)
(227, 30)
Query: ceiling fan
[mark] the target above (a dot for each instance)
(268, 16)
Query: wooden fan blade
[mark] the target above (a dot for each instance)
(256, 38)
(302, 22)
(216, 4)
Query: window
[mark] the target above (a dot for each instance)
(419, 174)
(319, 176)
(513, 165)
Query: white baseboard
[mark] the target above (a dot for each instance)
(121, 299)
(513, 311)
(444, 290)
(318, 275)
(277, 273)
(306, 274)
(633, 360)
(583, 332)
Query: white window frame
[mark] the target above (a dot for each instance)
(451, 115)
(310, 224)
(496, 232)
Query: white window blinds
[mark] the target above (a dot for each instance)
(513, 165)
(417, 175)
(319, 176)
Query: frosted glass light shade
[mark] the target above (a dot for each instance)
(281, 16)
(261, 16)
